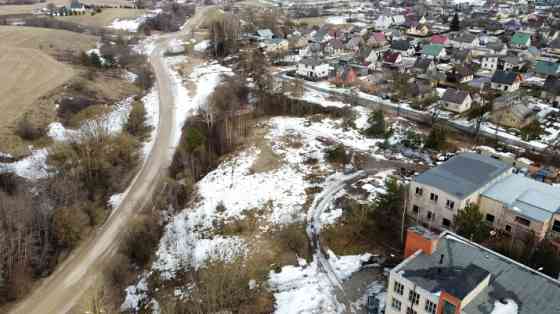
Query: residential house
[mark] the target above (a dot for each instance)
(335, 47)
(421, 90)
(392, 58)
(404, 47)
(461, 56)
(545, 68)
(506, 81)
(434, 51)
(355, 43)
(439, 40)
(520, 205)
(313, 68)
(551, 90)
(520, 40)
(489, 62)
(383, 22)
(424, 65)
(448, 274)
(436, 195)
(497, 47)
(417, 29)
(460, 74)
(456, 100)
(344, 75)
(512, 63)
(465, 41)
(398, 19)
(377, 39)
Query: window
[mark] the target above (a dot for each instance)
(508, 228)
(490, 218)
(448, 308)
(398, 288)
(414, 297)
(556, 226)
(430, 215)
(446, 222)
(522, 221)
(409, 310)
(433, 197)
(396, 304)
(430, 307)
(419, 191)
(415, 209)
(450, 204)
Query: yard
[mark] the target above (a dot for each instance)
(27, 8)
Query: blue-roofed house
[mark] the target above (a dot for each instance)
(545, 68)
(518, 204)
(436, 195)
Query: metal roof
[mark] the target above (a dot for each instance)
(530, 198)
(463, 174)
(533, 292)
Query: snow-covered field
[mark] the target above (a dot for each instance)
(233, 189)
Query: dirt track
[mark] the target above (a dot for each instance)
(60, 292)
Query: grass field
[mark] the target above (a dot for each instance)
(104, 18)
(27, 8)
(28, 71)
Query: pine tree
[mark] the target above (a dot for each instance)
(377, 124)
(470, 223)
(455, 23)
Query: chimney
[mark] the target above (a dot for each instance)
(419, 238)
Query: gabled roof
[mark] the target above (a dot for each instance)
(312, 61)
(463, 174)
(400, 44)
(423, 63)
(465, 38)
(455, 96)
(432, 50)
(391, 57)
(502, 77)
(547, 67)
(439, 39)
(520, 39)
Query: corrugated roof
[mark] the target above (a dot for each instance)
(533, 292)
(530, 198)
(463, 174)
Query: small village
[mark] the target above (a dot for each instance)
(304, 156)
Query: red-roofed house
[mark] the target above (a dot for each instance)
(392, 58)
(440, 40)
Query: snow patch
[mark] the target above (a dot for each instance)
(510, 307)
(32, 167)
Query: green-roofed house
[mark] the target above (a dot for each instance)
(435, 51)
(520, 40)
(545, 68)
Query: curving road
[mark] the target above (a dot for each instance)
(62, 290)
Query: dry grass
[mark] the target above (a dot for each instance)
(312, 20)
(104, 18)
(49, 41)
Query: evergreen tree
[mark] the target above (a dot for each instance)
(136, 124)
(377, 124)
(455, 23)
(95, 60)
(437, 139)
(470, 224)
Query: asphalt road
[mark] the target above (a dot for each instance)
(62, 290)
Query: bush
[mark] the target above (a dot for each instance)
(294, 238)
(8, 183)
(136, 124)
(337, 154)
(140, 241)
(29, 130)
(69, 224)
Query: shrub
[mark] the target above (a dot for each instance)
(69, 224)
(294, 238)
(337, 154)
(141, 240)
(136, 124)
